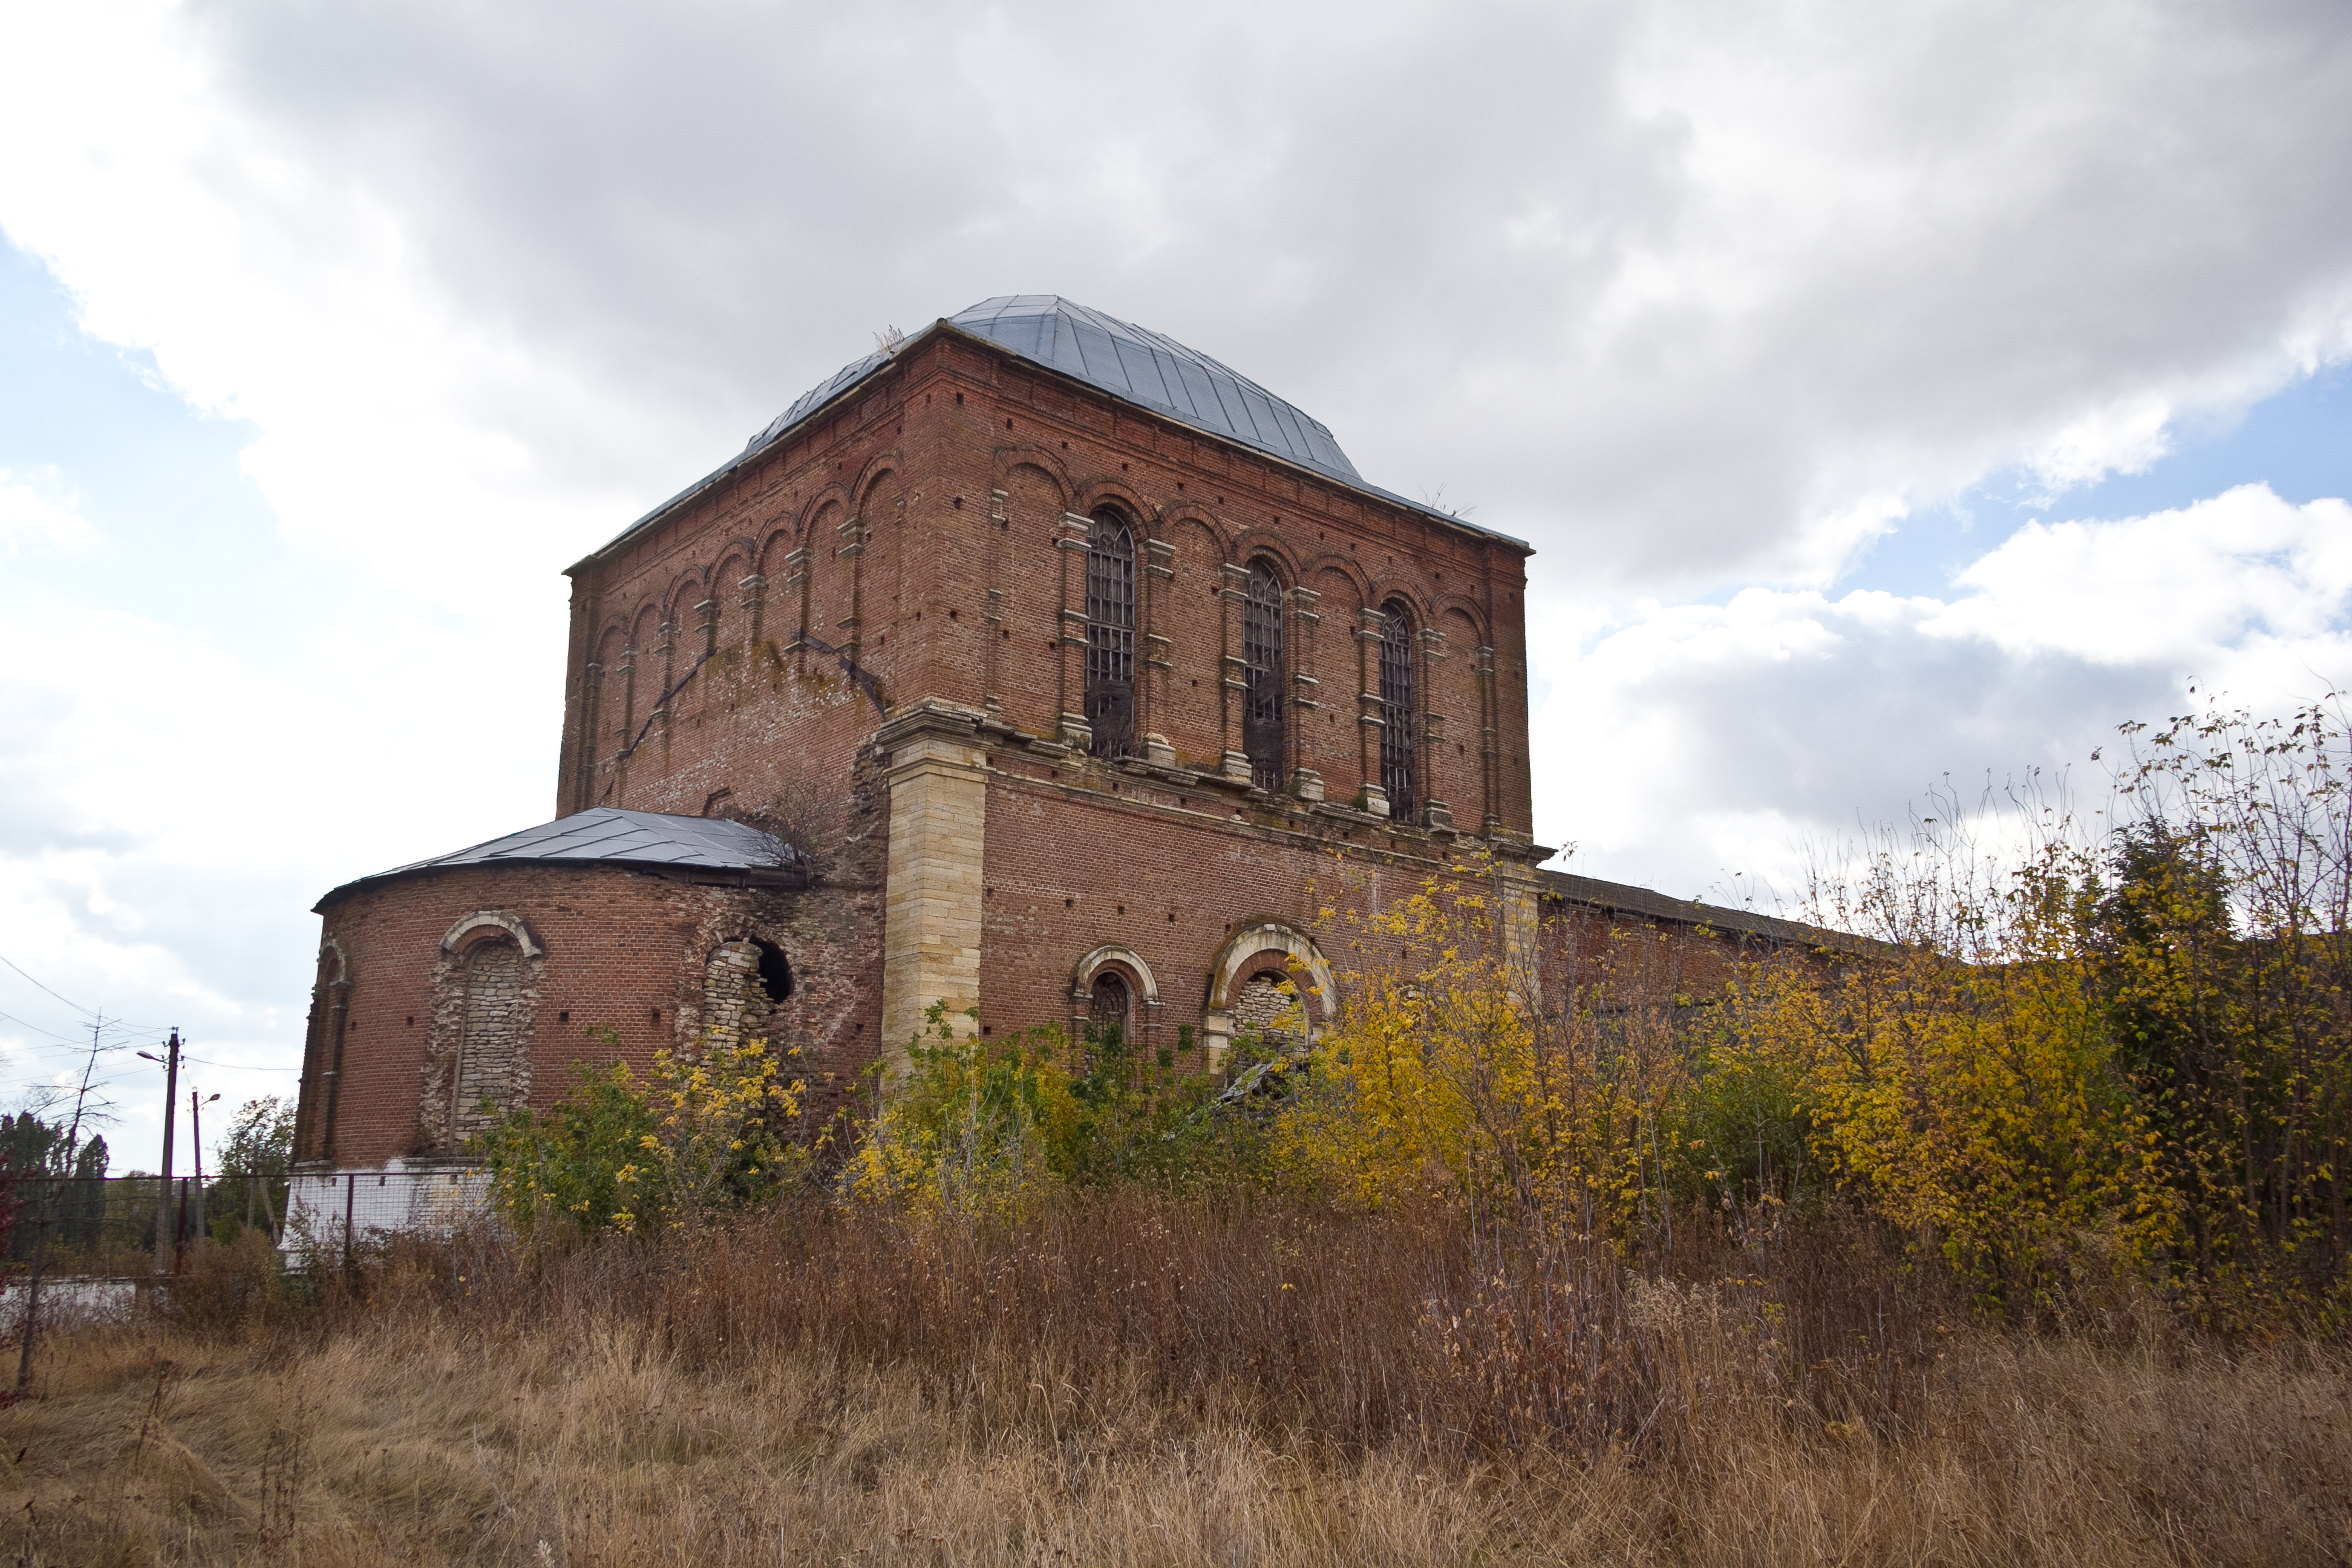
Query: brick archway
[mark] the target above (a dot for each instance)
(1263, 946)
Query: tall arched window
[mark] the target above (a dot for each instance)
(1262, 733)
(483, 1074)
(1396, 708)
(1110, 634)
(1106, 1008)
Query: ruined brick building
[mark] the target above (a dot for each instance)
(1036, 664)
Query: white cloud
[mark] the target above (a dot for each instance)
(1784, 716)
(1685, 290)
(1702, 300)
(2179, 588)
(41, 516)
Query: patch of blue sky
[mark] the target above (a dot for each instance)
(2298, 441)
(156, 479)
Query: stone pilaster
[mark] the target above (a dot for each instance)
(1070, 538)
(1437, 779)
(1305, 684)
(1151, 682)
(938, 777)
(1371, 720)
(1233, 670)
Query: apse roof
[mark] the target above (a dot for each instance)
(1128, 361)
(697, 848)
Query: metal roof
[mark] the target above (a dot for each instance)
(1139, 364)
(1127, 360)
(697, 848)
(1620, 897)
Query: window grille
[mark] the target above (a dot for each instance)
(1396, 709)
(1111, 636)
(1106, 1010)
(1262, 677)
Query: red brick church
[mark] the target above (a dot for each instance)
(1036, 664)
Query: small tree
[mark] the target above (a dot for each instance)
(255, 1158)
(623, 1153)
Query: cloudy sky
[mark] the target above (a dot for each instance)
(1893, 393)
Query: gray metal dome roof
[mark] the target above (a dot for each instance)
(1143, 367)
(695, 849)
(1127, 360)
(1130, 361)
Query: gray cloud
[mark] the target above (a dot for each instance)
(1649, 287)
(1666, 289)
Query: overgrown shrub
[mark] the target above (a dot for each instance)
(621, 1152)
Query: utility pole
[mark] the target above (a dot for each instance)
(164, 1238)
(197, 1141)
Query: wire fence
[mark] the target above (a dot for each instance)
(135, 1227)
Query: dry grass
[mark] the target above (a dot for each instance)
(1140, 1381)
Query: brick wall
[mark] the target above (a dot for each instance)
(880, 609)
(908, 546)
(622, 950)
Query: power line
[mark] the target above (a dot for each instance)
(68, 1001)
(86, 1012)
(28, 1023)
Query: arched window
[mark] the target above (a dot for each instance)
(1262, 734)
(1110, 634)
(1106, 1008)
(483, 1074)
(1396, 708)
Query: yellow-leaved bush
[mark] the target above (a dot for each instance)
(1440, 1075)
(620, 1152)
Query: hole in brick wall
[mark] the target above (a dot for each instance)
(1221, 500)
(1008, 634)
(959, 400)
(564, 1018)
(987, 1028)
(951, 615)
(1122, 908)
(1069, 903)
(1172, 917)
(1065, 445)
(1008, 424)
(958, 503)
(1122, 468)
(775, 974)
(657, 1015)
(412, 1020)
